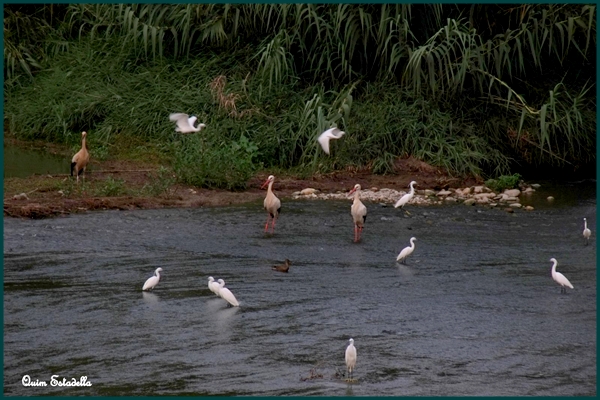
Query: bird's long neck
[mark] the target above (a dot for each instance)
(270, 188)
(412, 189)
(412, 243)
(584, 224)
(554, 267)
(83, 144)
(356, 196)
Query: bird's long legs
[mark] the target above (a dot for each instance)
(357, 232)
(272, 219)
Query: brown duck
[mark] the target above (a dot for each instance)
(282, 268)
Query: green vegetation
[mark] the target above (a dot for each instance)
(438, 82)
(503, 182)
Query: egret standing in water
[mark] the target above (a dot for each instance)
(350, 359)
(213, 286)
(226, 294)
(560, 278)
(271, 203)
(153, 280)
(358, 211)
(586, 232)
(325, 137)
(185, 123)
(407, 251)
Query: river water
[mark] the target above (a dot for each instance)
(473, 312)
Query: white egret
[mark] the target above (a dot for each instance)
(80, 160)
(586, 232)
(407, 197)
(350, 359)
(185, 123)
(272, 204)
(325, 137)
(282, 268)
(226, 294)
(153, 280)
(213, 286)
(358, 211)
(560, 278)
(407, 251)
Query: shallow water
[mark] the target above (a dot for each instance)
(473, 312)
(20, 162)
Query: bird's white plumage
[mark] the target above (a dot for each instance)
(407, 251)
(185, 123)
(325, 137)
(358, 211)
(407, 197)
(213, 285)
(153, 280)
(350, 356)
(226, 294)
(586, 231)
(558, 277)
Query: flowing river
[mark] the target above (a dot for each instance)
(473, 312)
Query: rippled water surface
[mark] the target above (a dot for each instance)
(474, 311)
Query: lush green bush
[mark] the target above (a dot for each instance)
(503, 182)
(225, 165)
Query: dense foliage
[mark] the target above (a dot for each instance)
(477, 89)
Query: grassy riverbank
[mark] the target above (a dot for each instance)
(460, 95)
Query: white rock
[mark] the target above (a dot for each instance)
(535, 185)
(483, 200)
(550, 198)
(528, 191)
(528, 208)
(450, 199)
(443, 193)
(429, 192)
(308, 191)
(469, 202)
(515, 205)
(477, 189)
(512, 192)
(20, 196)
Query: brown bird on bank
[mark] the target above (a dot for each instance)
(80, 159)
(358, 211)
(282, 268)
(272, 204)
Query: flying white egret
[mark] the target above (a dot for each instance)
(407, 251)
(350, 359)
(213, 286)
(226, 294)
(282, 268)
(272, 204)
(358, 211)
(80, 160)
(325, 137)
(153, 280)
(407, 197)
(586, 232)
(185, 123)
(560, 278)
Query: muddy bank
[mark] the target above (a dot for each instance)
(42, 196)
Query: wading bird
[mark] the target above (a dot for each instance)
(560, 278)
(226, 294)
(213, 286)
(407, 251)
(80, 159)
(282, 268)
(350, 359)
(358, 211)
(586, 232)
(325, 137)
(272, 204)
(185, 123)
(153, 280)
(406, 198)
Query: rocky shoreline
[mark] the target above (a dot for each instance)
(480, 195)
